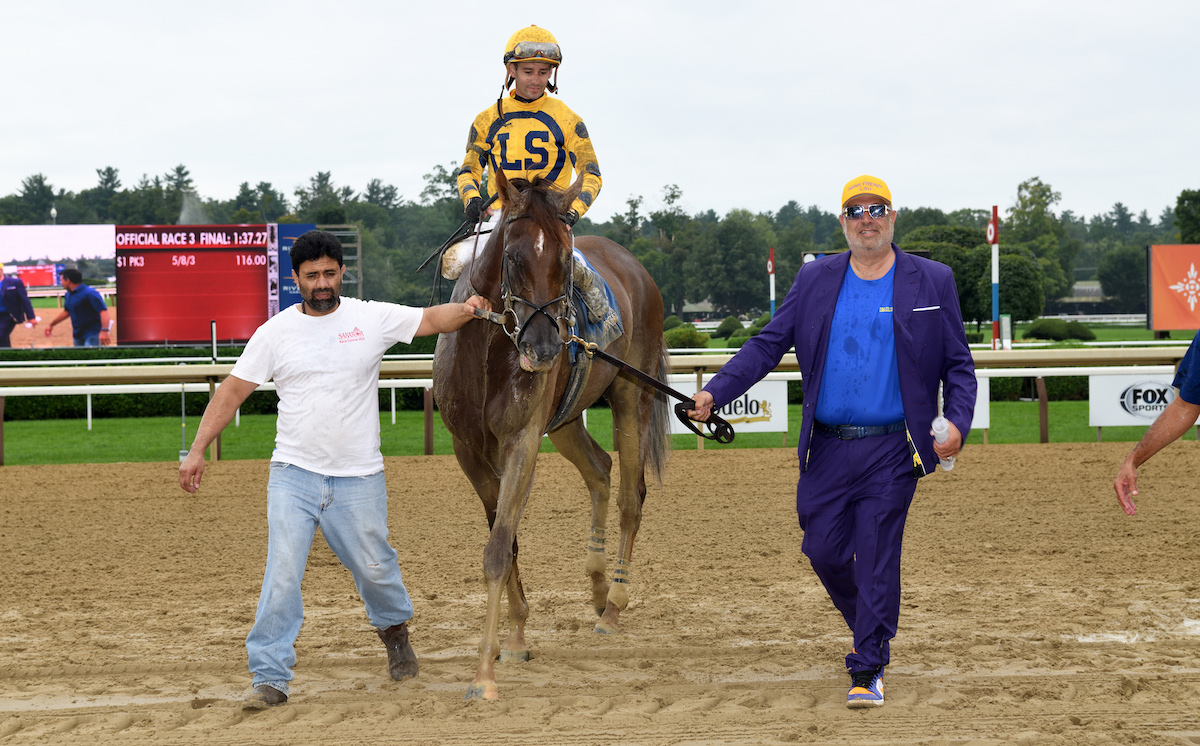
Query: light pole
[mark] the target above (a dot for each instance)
(53, 214)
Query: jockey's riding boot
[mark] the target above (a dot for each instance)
(402, 661)
(591, 287)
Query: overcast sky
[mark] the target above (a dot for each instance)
(741, 104)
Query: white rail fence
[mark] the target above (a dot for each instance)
(160, 376)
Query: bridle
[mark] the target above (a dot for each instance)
(511, 300)
(717, 428)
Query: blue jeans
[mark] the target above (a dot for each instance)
(352, 514)
(87, 339)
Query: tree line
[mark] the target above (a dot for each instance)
(701, 256)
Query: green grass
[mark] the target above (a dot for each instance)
(1017, 422)
(151, 439)
(160, 438)
(1107, 333)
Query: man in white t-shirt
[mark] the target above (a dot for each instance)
(324, 355)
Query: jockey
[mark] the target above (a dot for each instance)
(526, 134)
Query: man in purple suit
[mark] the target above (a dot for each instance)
(873, 344)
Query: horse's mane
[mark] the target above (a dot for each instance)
(540, 200)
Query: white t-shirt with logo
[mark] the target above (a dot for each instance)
(326, 371)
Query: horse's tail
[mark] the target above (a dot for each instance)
(658, 437)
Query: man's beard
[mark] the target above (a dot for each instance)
(322, 304)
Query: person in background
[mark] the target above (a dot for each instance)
(86, 309)
(16, 307)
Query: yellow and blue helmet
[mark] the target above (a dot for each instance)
(533, 44)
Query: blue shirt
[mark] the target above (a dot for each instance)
(84, 305)
(1187, 376)
(861, 381)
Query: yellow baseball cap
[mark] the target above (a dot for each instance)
(864, 184)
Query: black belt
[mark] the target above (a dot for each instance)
(851, 432)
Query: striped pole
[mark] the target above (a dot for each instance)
(771, 274)
(993, 237)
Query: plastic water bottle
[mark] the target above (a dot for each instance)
(941, 431)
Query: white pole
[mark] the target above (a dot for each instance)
(89, 412)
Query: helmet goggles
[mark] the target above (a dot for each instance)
(543, 51)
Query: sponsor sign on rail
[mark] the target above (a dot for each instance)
(1128, 400)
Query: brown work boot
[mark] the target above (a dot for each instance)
(402, 661)
(263, 697)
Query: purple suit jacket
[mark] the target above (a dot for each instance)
(931, 347)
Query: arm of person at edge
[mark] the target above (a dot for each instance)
(450, 316)
(759, 355)
(1172, 423)
(959, 386)
(219, 412)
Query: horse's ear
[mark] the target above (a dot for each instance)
(508, 194)
(568, 197)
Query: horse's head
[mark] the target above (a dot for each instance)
(536, 267)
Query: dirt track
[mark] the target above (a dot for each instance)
(1034, 611)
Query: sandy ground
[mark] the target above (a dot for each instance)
(1034, 611)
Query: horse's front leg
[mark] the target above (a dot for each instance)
(499, 569)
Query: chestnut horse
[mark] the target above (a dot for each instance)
(499, 385)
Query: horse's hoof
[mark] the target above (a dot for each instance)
(604, 628)
(519, 656)
(481, 691)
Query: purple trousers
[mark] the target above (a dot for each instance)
(852, 502)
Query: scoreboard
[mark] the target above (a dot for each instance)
(174, 281)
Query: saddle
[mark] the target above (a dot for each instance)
(601, 332)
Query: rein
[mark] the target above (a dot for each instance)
(718, 428)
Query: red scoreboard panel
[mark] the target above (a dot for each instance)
(174, 280)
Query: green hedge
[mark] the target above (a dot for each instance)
(728, 327)
(739, 337)
(1058, 330)
(685, 335)
(1058, 388)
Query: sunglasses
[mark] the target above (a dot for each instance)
(855, 212)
